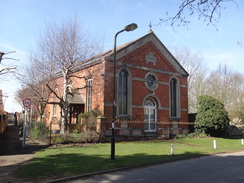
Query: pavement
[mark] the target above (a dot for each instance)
(13, 156)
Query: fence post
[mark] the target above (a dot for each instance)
(171, 149)
(214, 144)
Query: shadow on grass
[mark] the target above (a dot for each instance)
(64, 165)
(235, 137)
(11, 143)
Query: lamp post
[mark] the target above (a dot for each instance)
(127, 28)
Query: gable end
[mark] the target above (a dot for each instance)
(152, 37)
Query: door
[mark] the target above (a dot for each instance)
(150, 115)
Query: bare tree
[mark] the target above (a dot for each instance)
(38, 93)
(60, 49)
(222, 83)
(6, 69)
(236, 105)
(27, 92)
(193, 63)
(228, 87)
(207, 10)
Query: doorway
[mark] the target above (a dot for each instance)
(150, 115)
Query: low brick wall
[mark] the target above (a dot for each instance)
(3, 122)
(135, 130)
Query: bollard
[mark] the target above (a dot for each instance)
(171, 149)
(242, 141)
(214, 144)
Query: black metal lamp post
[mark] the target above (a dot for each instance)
(127, 28)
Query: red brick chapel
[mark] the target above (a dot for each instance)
(151, 90)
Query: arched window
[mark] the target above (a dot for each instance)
(55, 99)
(123, 93)
(173, 98)
(150, 115)
(89, 95)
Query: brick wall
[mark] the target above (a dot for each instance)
(133, 58)
(3, 122)
(1, 101)
(3, 115)
(135, 62)
(96, 72)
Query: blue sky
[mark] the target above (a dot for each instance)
(22, 21)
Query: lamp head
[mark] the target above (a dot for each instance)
(130, 27)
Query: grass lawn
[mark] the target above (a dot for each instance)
(69, 161)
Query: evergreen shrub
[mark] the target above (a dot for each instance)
(212, 117)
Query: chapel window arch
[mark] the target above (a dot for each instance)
(89, 95)
(55, 100)
(124, 93)
(150, 114)
(174, 92)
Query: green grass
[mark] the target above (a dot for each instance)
(70, 161)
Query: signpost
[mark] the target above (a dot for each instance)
(26, 104)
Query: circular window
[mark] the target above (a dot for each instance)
(151, 81)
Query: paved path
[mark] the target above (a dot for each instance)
(222, 168)
(12, 156)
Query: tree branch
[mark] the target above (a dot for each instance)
(208, 10)
(7, 70)
(3, 53)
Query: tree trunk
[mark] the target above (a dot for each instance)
(64, 111)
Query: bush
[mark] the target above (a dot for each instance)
(180, 136)
(88, 121)
(57, 140)
(39, 131)
(212, 117)
(191, 135)
(89, 136)
(87, 126)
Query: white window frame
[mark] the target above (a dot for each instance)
(147, 107)
(55, 105)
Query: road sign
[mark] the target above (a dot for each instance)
(27, 102)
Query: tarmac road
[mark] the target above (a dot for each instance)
(221, 168)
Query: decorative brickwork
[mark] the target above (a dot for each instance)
(149, 68)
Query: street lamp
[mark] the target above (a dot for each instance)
(127, 28)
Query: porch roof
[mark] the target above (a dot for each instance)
(75, 99)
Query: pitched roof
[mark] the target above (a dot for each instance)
(76, 98)
(150, 36)
(128, 47)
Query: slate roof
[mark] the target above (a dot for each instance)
(126, 48)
